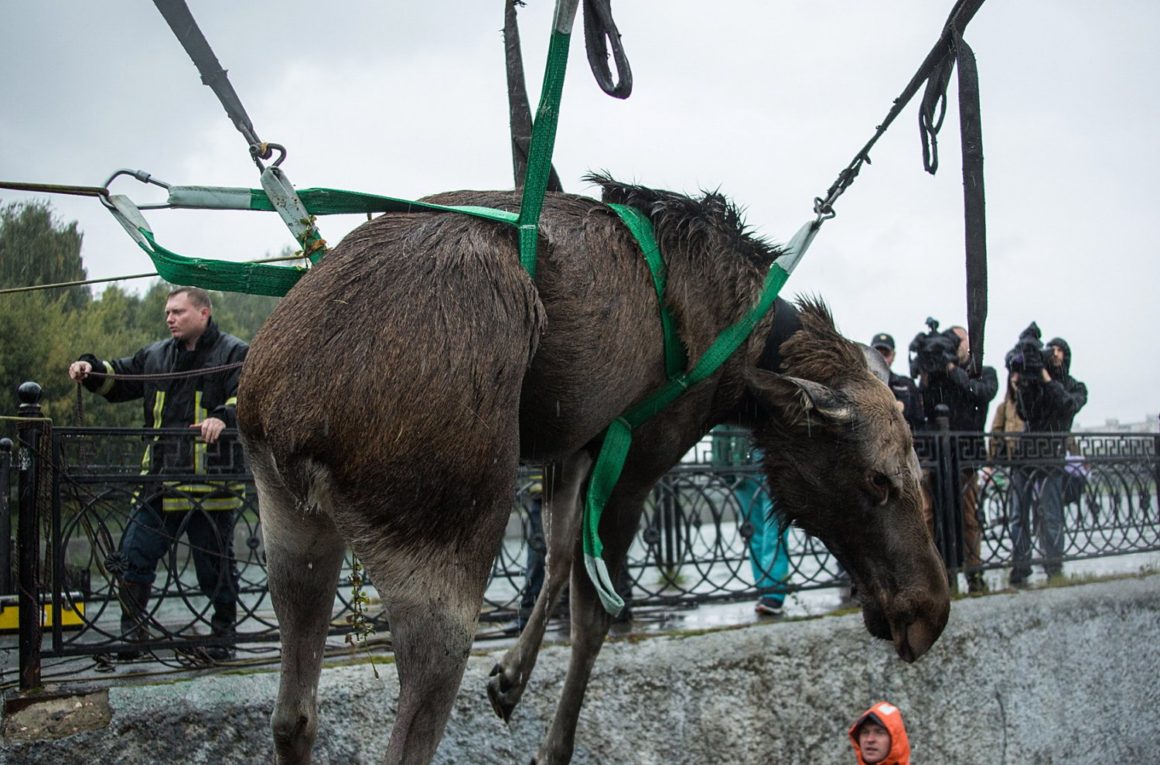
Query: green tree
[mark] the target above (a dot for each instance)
(114, 325)
(28, 323)
(240, 314)
(35, 249)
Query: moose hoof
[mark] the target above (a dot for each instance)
(503, 693)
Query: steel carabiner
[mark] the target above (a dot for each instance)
(141, 176)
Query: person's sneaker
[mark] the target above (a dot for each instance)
(219, 652)
(768, 608)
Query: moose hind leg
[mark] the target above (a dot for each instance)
(432, 596)
(303, 557)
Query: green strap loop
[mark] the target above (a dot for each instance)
(618, 436)
(617, 440)
(249, 278)
(262, 278)
(641, 228)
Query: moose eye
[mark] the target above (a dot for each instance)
(878, 487)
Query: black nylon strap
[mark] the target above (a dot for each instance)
(932, 111)
(930, 119)
(786, 321)
(519, 108)
(960, 16)
(181, 21)
(974, 201)
(600, 32)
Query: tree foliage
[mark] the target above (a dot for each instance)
(36, 249)
(42, 332)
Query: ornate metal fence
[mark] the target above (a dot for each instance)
(691, 547)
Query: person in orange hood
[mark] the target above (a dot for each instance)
(879, 736)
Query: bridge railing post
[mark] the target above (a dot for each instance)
(29, 430)
(947, 497)
(5, 517)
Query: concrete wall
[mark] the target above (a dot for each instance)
(1044, 676)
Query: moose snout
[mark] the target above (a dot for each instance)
(912, 621)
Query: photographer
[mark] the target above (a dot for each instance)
(1047, 397)
(942, 363)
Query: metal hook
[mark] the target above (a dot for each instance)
(824, 209)
(141, 176)
(261, 151)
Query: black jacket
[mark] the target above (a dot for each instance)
(181, 402)
(967, 396)
(1051, 407)
(907, 392)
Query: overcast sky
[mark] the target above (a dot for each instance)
(765, 100)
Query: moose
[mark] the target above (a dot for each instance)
(389, 398)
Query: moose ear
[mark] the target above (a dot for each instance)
(799, 402)
(877, 364)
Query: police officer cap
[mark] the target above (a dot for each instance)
(882, 340)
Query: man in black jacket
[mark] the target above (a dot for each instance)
(204, 405)
(903, 388)
(967, 392)
(1047, 398)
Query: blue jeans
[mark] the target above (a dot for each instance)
(768, 548)
(1041, 488)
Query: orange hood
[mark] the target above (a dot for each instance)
(890, 718)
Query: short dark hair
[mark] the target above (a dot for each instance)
(197, 296)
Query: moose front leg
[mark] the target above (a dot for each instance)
(561, 511)
(590, 622)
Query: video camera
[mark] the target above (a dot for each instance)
(932, 351)
(1029, 356)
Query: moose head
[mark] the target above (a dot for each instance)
(841, 464)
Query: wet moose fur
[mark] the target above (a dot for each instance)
(388, 400)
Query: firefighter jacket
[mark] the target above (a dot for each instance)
(177, 403)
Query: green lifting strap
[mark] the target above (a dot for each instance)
(261, 278)
(618, 436)
(641, 228)
(543, 141)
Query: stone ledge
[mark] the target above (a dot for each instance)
(1018, 678)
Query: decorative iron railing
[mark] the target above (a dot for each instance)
(691, 547)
